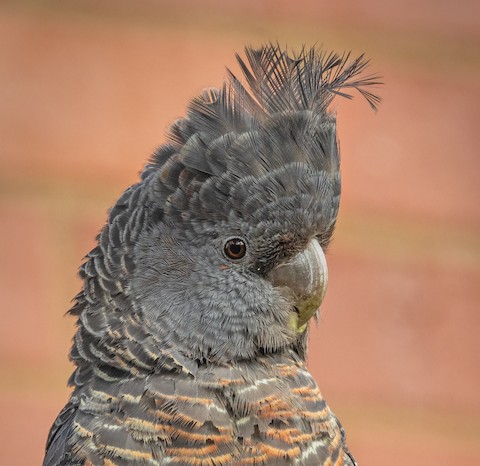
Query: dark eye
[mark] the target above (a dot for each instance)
(235, 248)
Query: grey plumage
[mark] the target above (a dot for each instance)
(184, 355)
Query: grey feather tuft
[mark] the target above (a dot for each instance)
(308, 80)
(276, 82)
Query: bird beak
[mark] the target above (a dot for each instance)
(306, 275)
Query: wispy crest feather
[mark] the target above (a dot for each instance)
(309, 80)
(277, 81)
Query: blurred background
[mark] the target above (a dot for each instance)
(87, 91)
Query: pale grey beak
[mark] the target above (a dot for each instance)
(306, 274)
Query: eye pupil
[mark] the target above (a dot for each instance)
(235, 248)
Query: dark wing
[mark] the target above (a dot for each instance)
(56, 448)
(161, 419)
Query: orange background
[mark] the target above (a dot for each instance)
(87, 91)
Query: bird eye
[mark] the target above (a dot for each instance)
(235, 248)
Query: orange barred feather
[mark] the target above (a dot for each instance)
(269, 412)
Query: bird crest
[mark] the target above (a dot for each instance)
(279, 81)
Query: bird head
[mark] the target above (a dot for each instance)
(218, 251)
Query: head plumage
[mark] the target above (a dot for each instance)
(308, 80)
(277, 118)
(277, 81)
(259, 160)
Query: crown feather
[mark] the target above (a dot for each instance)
(276, 82)
(308, 80)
